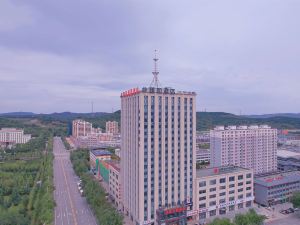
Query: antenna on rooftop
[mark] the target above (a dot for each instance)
(155, 81)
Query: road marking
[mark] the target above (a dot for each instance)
(72, 207)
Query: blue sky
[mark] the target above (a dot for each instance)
(239, 56)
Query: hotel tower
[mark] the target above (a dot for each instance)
(158, 168)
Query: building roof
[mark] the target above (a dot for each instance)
(219, 170)
(101, 152)
(6, 129)
(288, 154)
(277, 178)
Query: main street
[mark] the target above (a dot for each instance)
(71, 208)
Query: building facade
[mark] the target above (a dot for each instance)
(275, 188)
(112, 127)
(11, 136)
(253, 147)
(222, 190)
(203, 155)
(288, 160)
(158, 166)
(115, 184)
(81, 128)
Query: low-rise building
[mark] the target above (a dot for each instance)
(101, 154)
(81, 128)
(275, 188)
(12, 136)
(288, 160)
(221, 190)
(115, 184)
(203, 155)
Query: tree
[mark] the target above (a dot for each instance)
(296, 200)
(249, 218)
(218, 221)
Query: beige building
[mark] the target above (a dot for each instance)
(222, 190)
(158, 166)
(11, 136)
(115, 184)
(253, 147)
(112, 127)
(81, 128)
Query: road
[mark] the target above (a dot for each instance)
(71, 208)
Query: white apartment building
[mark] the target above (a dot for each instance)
(253, 147)
(10, 136)
(112, 127)
(115, 184)
(158, 166)
(203, 155)
(222, 190)
(81, 128)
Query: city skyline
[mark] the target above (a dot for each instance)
(237, 56)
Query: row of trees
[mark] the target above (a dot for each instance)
(105, 213)
(249, 218)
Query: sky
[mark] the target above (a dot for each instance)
(239, 56)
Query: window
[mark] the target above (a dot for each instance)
(202, 184)
(248, 195)
(231, 178)
(212, 196)
(248, 204)
(212, 182)
(231, 208)
(202, 206)
(223, 194)
(212, 203)
(202, 191)
(202, 198)
(202, 215)
(231, 198)
(240, 177)
(248, 182)
(222, 201)
(240, 184)
(231, 185)
(212, 212)
(240, 190)
(222, 180)
(248, 188)
(231, 192)
(222, 211)
(240, 206)
(212, 189)
(249, 175)
(222, 187)
(240, 197)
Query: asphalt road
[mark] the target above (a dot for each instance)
(71, 208)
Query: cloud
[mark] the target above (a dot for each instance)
(237, 55)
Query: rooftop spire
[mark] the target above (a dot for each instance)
(155, 81)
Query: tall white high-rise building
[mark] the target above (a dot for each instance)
(158, 128)
(253, 147)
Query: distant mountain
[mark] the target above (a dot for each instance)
(17, 114)
(205, 120)
(290, 115)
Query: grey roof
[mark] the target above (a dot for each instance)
(277, 178)
(101, 152)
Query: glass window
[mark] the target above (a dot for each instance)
(202, 206)
(202, 215)
(222, 187)
(202, 184)
(212, 196)
(212, 203)
(212, 189)
(212, 213)
(249, 175)
(231, 185)
(240, 177)
(222, 180)
(212, 182)
(231, 178)
(223, 194)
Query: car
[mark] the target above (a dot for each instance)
(290, 210)
(296, 209)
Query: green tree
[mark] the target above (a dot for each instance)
(218, 221)
(249, 218)
(296, 199)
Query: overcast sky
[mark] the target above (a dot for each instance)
(60, 55)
